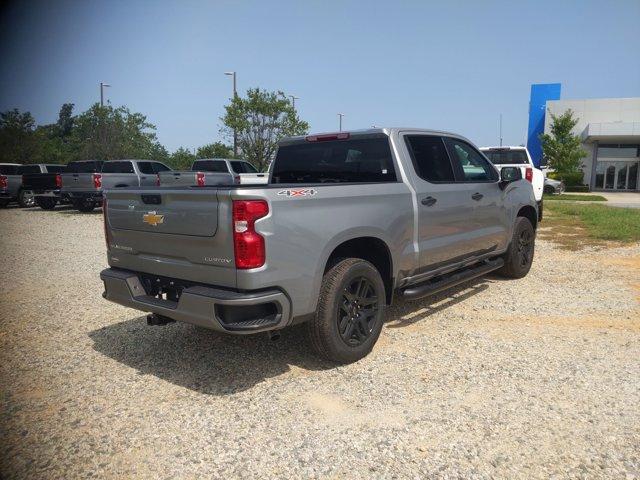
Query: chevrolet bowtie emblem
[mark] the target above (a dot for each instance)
(153, 219)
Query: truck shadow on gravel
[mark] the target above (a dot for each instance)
(63, 210)
(217, 364)
(203, 360)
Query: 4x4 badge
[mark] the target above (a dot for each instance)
(153, 219)
(298, 192)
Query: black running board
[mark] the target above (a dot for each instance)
(450, 280)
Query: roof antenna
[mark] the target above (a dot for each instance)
(500, 129)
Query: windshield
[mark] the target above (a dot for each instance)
(357, 160)
(507, 157)
(84, 167)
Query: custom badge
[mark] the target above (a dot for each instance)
(298, 192)
(153, 219)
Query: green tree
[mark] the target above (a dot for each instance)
(108, 133)
(561, 147)
(181, 159)
(215, 150)
(260, 121)
(18, 142)
(65, 120)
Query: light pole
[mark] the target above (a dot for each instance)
(293, 100)
(340, 115)
(102, 85)
(235, 94)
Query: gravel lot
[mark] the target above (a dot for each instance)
(535, 378)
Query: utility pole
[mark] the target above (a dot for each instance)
(340, 115)
(293, 100)
(235, 95)
(102, 85)
(500, 129)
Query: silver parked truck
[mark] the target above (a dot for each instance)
(208, 172)
(84, 182)
(348, 222)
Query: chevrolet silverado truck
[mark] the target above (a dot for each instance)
(45, 186)
(85, 188)
(10, 183)
(13, 187)
(82, 184)
(519, 157)
(348, 222)
(212, 171)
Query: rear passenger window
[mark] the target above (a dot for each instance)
(470, 165)
(117, 167)
(55, 168)
(242, 167)
(430, 158)
(159, 167)
(146, 168)
(210, 166)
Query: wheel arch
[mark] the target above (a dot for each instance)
(370, 248)
(530, 214)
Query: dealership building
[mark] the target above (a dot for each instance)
(610, 133)
(608, 127)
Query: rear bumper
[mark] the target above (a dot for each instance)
(95, 196)
(8, 195)
(46, 193)
(222, 310)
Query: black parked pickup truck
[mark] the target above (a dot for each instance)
(45, 186)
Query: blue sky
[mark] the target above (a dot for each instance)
(444, 65)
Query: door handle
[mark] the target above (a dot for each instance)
(429, 201)
(477, 196)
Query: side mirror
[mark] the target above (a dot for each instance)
(508, 175)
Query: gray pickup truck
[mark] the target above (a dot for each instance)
(85, 182)
(347, 222)
(207, 172)
(12, 185)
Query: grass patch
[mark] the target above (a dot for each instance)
(597, 222)
(575, 198)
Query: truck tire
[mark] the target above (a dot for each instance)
(46, 203)
(519, 256)
(350, 311)
(26, 199)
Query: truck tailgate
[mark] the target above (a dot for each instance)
(176, 233)
(78, 181)
(177, 179)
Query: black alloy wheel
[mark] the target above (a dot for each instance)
(357, 311)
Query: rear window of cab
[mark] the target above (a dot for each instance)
(354, 160)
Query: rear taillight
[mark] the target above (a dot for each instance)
(528, 174)
(104, 222)
(3, 181)
(157, 179)
(200, 179)
(58, 180)
(97, 180)
(248, 244)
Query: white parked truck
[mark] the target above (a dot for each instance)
(518, 157)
